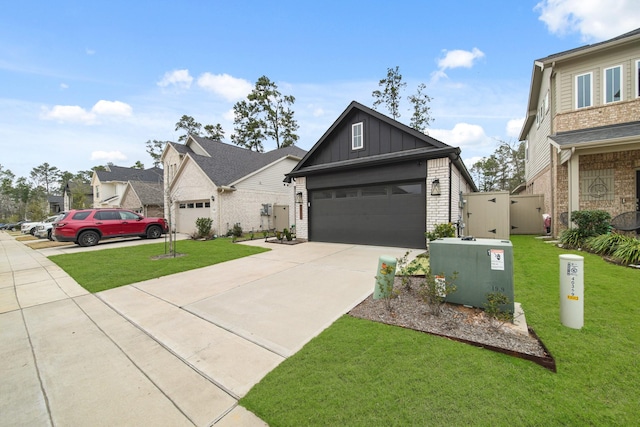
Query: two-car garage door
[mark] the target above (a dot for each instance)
(385, 214)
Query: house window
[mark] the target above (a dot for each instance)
(613, 84)
(583, 91)
(199, 204)
(597, 185)
(357, 142)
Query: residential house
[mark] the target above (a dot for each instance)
(582, 129)
(109, 185)
(76, 195)
(229, 184)
(375, 181)
(146, 198)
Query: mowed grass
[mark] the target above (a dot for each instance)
(361, 373)
(109, 268)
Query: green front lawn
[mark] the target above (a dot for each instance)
(109, 268)
(361, 373)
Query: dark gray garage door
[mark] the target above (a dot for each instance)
(385, 215)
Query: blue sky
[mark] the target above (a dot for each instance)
(83, 83)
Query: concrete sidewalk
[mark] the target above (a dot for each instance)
(177, 350)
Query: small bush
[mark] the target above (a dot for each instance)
(434, 291)
(589, 224)
(592, 222)
(628, 252)
(572, 238)
(237, 230)
(493, 308)
(203, 226)
(606, 244)
(441, 230)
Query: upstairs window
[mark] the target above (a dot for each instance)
(357, 142)
(583, 91)
(613, 84)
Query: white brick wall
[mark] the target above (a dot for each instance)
(438, 206)
(302, 225)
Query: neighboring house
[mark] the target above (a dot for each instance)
(76, 196)
(145, 198)
(56, 204)
(582, 129)
(109, 185)
(372, 180)
(227, 183)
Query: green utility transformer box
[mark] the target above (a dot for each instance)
(483, 266)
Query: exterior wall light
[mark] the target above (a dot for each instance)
(299, 197)
(435, 187)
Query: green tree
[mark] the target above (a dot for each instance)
(390, 94)
(155, 149)
(138, 165)
(501, 171)
(189, 126)
(45, 175)
(265, 114)
(214, 132)
(421, 118)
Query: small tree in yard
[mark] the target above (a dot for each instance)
(434, 291)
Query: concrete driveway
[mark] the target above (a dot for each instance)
(178, 350)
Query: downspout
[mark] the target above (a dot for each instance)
(450, 189)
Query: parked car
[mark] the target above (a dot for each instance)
(14, 225)
(44, 229)
(29, 227)
(86, 227)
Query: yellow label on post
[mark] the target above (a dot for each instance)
(573, 297)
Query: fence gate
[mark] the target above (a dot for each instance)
(486, 215)
(526, 214)
(281, 217)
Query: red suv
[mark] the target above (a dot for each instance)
(87, 227)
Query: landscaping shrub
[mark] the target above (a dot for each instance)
(628, 252)
(606, 244)
(589, 223)
(203, 226)
(441, 230)
(237, 230)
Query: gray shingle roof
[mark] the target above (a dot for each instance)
(578, 49)
(603, 133)
(149, 193)
(119, 173)
(229, 163)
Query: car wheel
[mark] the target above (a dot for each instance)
(49, 236)
(154, 232)
(88, 238)
(32, 231)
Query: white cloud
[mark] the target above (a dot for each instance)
(112, 108)
(471, 139)
(90, 51)
(514, 126)
(68, 113)
(108, 156)
(178, 78)
(456, 59)
(229, 87)
(64, 86)
(77, 114)
(595, 20)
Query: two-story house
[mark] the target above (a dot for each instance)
(582, 129)
(110, 186)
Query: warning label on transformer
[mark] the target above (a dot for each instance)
(497, 259)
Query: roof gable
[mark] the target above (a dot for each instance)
(384, 140)
(225, 164)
